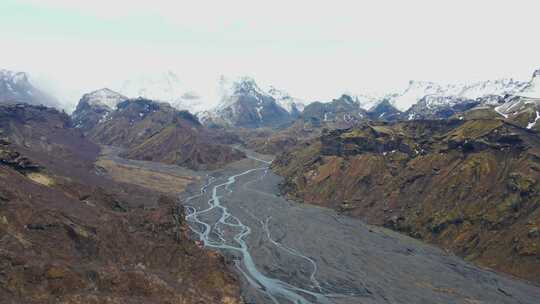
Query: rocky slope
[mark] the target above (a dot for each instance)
(346, 110)
(470, 185)
(523, 108)
(94, 107)
(522, 111)
(69, 234)
(273, 142)
(340, 113)
(15, 87)
(157, 132)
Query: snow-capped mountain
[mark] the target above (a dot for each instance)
(103, 97)
(244, 104)
(165, 87)
(368, 102)
(294, 106)
(513, 104)
(521, 108)
(532, 89)
(94, 107)
(440, 107)
(417, 90)
(16, 87)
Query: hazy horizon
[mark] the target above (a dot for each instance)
(315, 51)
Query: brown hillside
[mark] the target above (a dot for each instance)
(158, 132)
(70, 235)
(469, 186)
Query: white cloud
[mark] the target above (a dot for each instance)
(315, 49)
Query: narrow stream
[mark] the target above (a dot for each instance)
(214, 234)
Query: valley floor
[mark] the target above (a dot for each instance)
(307, 254)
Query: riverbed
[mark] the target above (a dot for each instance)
(288, 252)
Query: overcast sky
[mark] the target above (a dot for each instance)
(313, 49)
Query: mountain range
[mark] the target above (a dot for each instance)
(243, 103)
(458, 168)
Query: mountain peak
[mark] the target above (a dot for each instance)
(16, 87)
(532, 90)
(416, 90)
(13, 76)
(103, 91)
(286, 101)
(95, 106)
(347, 98)
(246, 85)
(103, 97)
(277, 93)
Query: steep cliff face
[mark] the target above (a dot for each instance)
(69, 234)
(471, 186)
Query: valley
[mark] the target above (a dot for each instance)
(269, 199)
(296, 253)
(269, 152)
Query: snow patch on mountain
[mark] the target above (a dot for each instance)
(532, 124)
(500, 109)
